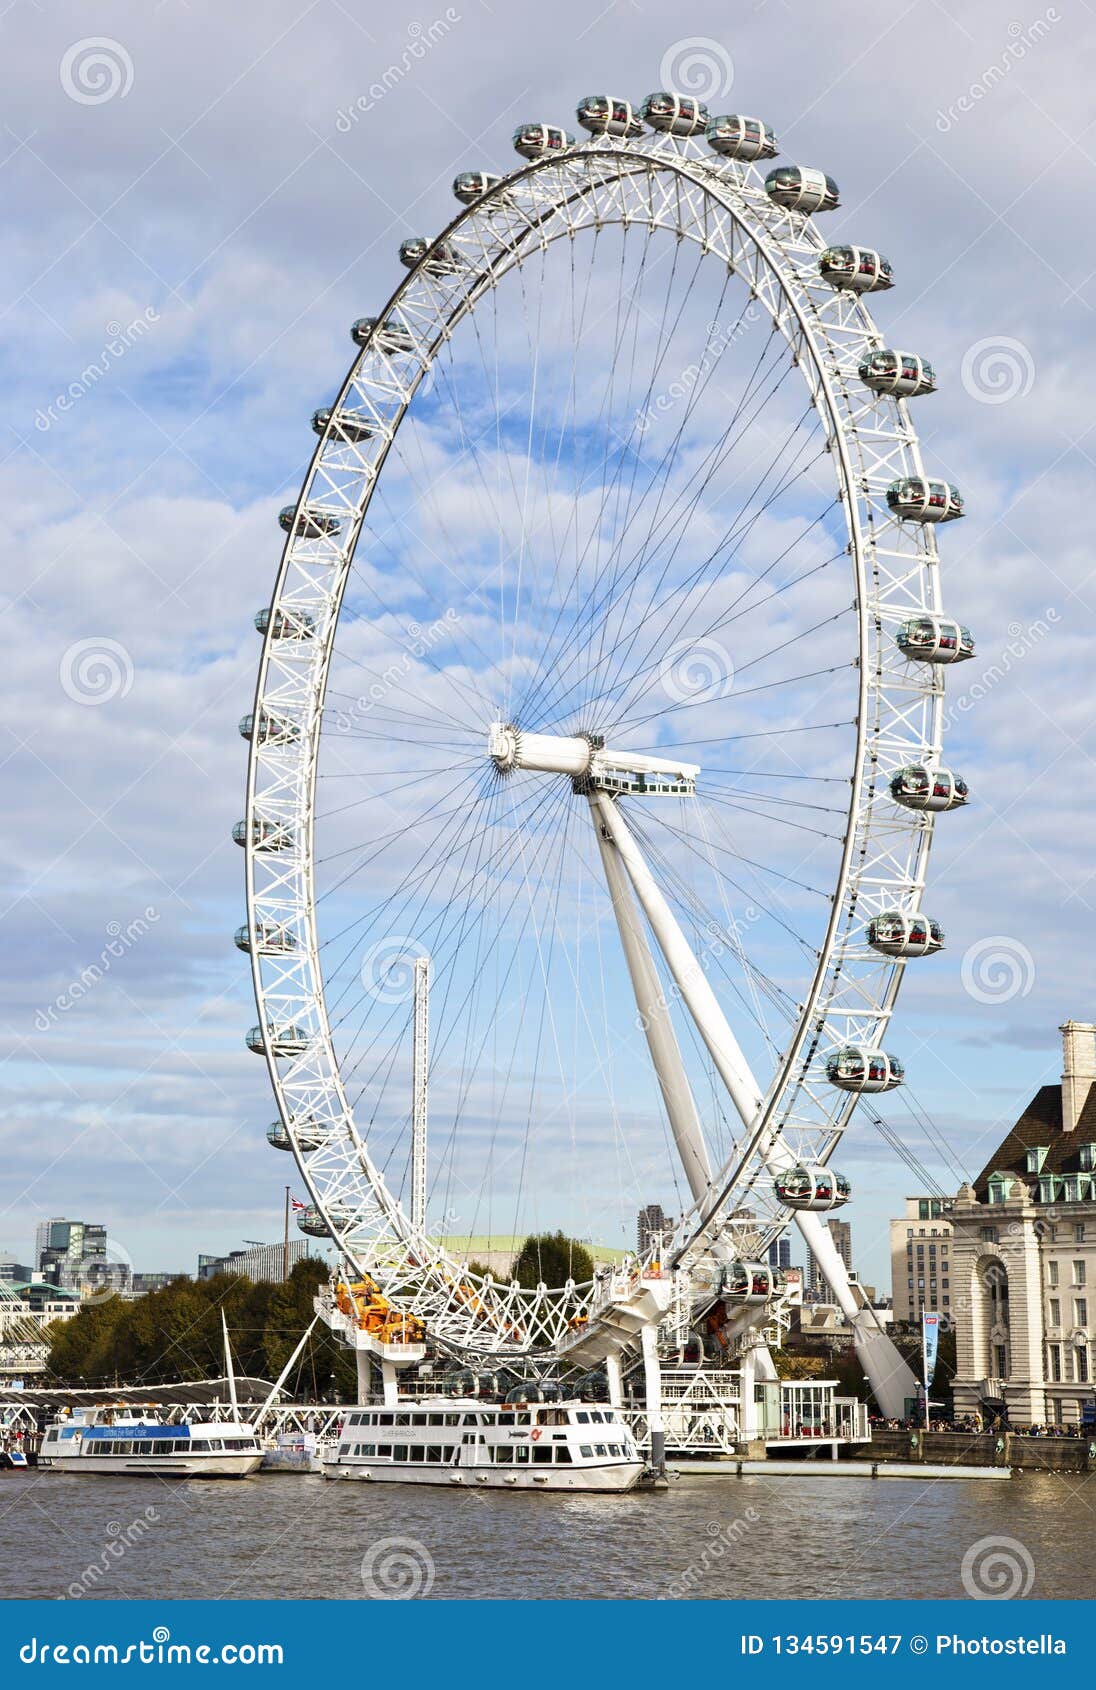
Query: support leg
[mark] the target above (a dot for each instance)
(652, 1386)
(655, 1017)
(612, 1374)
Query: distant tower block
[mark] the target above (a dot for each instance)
(1078, 1069)
(419, 1065)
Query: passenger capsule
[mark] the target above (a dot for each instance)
(674, 114)
(308, 1133)
(902, 933)
(386, 337)
(268, 729)
(901, 373)
(601, 114)
(798, 189)
(921, 788)
(750, 1284)
(856, 269)
(538, 140)
(269, 939)
(265, 835)
(744, 138)
(284, 1040)
(862, 1068)
(914, 499)
(437, 258)
(351, 426)
(312, 1222)
(934, 639)
(813, 1187)
(307, 522)
(471, 185)
(285, 624)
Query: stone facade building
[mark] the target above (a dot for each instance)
(1023, 1258)
(920, 1264)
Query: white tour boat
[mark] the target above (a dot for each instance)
(573, 1446)
(190, 1449)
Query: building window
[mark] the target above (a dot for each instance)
(947, 1302)
(1082, 1364)
(1056, 1363)
(1001, 1360)
(1078, 1273)
(1052, 1273)
(1078, 1232)
(989, 1235)
(1080, 1311)
(1055, 1312)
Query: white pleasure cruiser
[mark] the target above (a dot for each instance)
(572, 1446)
(189, 1449)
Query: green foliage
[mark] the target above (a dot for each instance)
(550, 1258)
(175, 1334)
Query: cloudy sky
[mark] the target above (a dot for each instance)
(198, 205)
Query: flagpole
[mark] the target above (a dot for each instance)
(925, 1364)
(285, 1244)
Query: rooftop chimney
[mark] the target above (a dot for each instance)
(1078, 1069)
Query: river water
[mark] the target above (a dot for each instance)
(288, 1535)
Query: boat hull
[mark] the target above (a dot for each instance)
(156, 1467)
(615, 1477)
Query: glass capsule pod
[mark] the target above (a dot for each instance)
(900, 373)
(601, 114)
(286, 1040)
(265, 835)
(741, 137)
(351, 426)
(934, 639)
(312, 1222)
(308, 1134)
(285, 624)
(387, 337)
(750, 1284)
(537, 140)
(269, 940)
(269, 729)
(307, 522)
(674, 114)
(920, 788)
(916, 499)
(471, 185)
(812, 1186)
(857, 269)
(905, 933)
(862, 1068)
(799, 189)
(437, 258)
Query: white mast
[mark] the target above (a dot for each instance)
(419, 1067)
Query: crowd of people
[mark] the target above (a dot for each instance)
(973, 1424)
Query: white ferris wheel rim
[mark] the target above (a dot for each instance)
(722, 207)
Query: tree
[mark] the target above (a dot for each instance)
(551, 1258)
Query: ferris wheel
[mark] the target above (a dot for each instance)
(604, 668)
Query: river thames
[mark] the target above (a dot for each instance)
(69, 1538)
